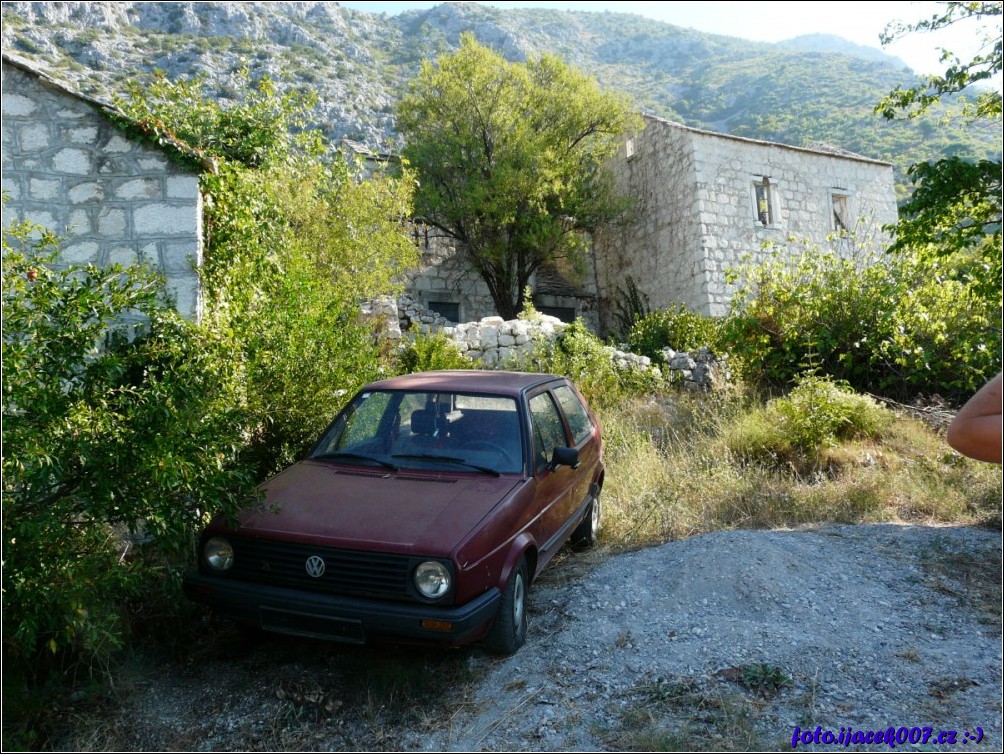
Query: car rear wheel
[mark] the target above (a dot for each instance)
(587, 533)
(509, 630)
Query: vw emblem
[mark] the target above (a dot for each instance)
(315, 566)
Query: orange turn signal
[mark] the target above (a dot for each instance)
(436, 625)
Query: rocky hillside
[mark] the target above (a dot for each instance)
(800, 92)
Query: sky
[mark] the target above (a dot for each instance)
(860, 22)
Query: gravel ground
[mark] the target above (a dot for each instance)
(849, 626)
(723, 641)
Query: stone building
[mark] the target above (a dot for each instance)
(446, 288)
(446, 285)
(705, 200)
(109, 197)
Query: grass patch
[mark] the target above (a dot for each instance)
(279, 695)
(690, 464)
(681, 714)
(758, 678)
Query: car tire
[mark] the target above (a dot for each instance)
(587, 533)
(508, 633)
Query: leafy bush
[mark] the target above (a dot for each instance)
(898, 326)
(119, 426)
(423, 353)
(678, 328)
(578, 354)
(818, 412)
(296, 238)
(814, 416)
(119, 433)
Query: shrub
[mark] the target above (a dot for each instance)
(113, 433)
(296, 238)
(898, 326)
(675, 327)
(818, 412)
(814, 416)
(423, 353)
(578, 354)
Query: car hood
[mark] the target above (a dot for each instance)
(416, 512)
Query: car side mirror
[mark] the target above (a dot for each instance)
(565, 457)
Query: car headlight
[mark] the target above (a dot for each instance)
(218, 553)
(432, 579)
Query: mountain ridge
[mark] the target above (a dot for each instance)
(360, 62)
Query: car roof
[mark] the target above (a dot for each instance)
(466, 380)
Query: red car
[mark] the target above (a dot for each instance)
(425, 512)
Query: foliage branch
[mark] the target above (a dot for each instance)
(510, 160)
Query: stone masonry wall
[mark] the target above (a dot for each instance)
(111, 199)
(802, 183)
(695, 210)
(661, 250)
(445, 276)
(497, 344)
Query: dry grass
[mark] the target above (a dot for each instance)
(673, 471)
(684, 714)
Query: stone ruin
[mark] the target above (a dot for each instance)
(497, 343)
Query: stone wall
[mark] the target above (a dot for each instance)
(110, 198)
(696, 210)
(445, 277)
(497, 344)
(661, 250)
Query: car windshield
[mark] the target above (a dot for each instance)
(461, 431)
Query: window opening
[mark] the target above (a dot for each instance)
(564, 313)
(841, 204)
(548, 430)
(764, 207)
(448, 309)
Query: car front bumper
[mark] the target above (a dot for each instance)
(335, 617)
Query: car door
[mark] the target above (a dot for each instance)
(582, 429)
(554, 489)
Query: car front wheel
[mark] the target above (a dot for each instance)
(509, 630)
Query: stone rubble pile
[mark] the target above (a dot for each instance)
(495, 342)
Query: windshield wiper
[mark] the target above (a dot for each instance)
(347, 454)
(449, 459)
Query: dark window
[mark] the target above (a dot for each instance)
(448, 309)
(548, 430)
(841, 211)
(763, 201)
(564, 313)
(576, 414)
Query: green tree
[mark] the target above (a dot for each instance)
(509, 158)
(955, 208)
(960, 75)
(261, 129)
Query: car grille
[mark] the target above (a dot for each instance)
(348, 572)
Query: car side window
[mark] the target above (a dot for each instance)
(575, 412)
(548, 430)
